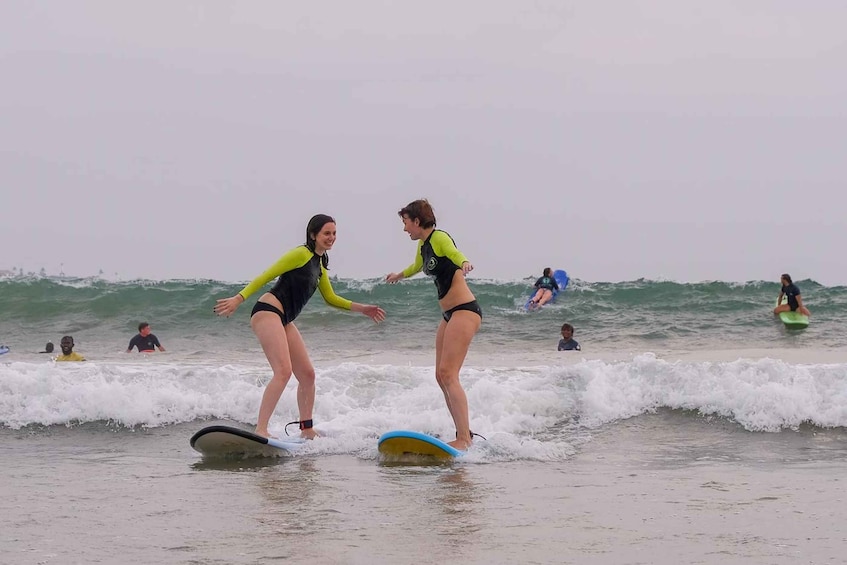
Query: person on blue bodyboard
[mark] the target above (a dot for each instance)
(545, 286)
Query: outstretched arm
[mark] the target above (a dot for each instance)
(295, 258)
(408, 271)
(375, 313)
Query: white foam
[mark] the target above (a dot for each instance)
(514, 406)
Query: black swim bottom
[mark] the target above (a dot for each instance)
(469, 306)
(265, 307)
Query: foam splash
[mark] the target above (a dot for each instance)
(361, 400)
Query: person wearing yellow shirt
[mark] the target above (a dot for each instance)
(68, 353)
(438, 257)
(301, 271)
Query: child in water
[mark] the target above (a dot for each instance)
(568, 343)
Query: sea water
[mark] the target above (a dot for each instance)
(692, 427)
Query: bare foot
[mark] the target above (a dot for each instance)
(264, 433)
(311, 433)
(460, 444)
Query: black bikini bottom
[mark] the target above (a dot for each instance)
(472, 306)
(265, 307)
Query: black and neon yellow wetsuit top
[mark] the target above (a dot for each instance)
(300, 272)
(439, 258)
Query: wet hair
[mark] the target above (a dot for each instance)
(142, 325)
(567, 327)
(314, 227)
(787, 277)
(49, 347)
(420, 210)
(547, 271)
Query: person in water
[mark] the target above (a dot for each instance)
(145, 341)
(300, 271)
(48, 348)
(438, 257)
(568, 343)
(68, 353)
(546, 284)
(795, 301)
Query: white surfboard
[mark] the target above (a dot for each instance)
(400, 443)
(226, 441)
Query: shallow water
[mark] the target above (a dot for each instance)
(668, 488)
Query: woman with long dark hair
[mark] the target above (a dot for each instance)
(301, 271)
(795, 301)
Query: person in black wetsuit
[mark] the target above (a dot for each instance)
(795, 302)
(438, 257)
(301, 271)
(144, 340)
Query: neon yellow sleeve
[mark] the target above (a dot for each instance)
(417, 265)
(294, 259)
(442, 244)
(329, 295)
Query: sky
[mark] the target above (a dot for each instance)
(654, 139)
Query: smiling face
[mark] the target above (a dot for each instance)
(325, 238)
(567, 333)
(412, 227)
(67, 345)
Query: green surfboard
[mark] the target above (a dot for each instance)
(793, 320)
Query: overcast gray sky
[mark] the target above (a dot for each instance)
(617, 140)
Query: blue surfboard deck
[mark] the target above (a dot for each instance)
(3, 349)
(793, 320)
(404, 443)
(561, 278)
(227, 441)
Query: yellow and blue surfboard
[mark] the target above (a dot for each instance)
(405, 443)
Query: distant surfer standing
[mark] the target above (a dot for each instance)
(145, 341)
(438, 257)
(795, 301)
(301, 271)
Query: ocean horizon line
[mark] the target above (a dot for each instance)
(21, 276)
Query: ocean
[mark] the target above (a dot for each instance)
(691, 428)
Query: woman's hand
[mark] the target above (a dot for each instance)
(394, 277)
(227, 306)
(375, 313)
(467, 267)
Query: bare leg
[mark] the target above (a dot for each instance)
(546, 295)
(304, 372)
(272, 336)
(451, 347)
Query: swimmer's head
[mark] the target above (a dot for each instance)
(67, 344)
